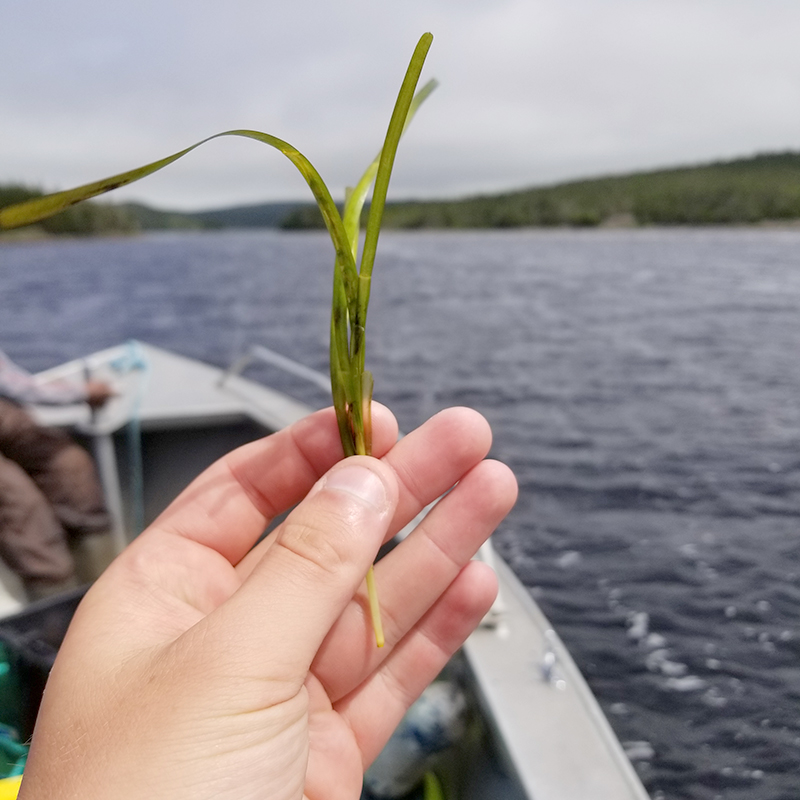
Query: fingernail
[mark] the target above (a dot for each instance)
(361, 482)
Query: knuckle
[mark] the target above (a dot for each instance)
(322, 543)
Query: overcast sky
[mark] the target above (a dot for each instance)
(531, 91)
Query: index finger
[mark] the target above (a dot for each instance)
(229, 505)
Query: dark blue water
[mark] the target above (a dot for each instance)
(645, 387)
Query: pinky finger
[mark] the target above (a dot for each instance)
(417, 659)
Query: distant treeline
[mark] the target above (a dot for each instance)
(744, 191)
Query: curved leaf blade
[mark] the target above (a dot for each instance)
(30, 211)
(397, 125)
(40, 208)
(357, 196)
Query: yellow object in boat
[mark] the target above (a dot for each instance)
(9, 787)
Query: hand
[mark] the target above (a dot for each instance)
(199, 666)
(98, 393)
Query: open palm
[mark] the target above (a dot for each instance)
(204, 665)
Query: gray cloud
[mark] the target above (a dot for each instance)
(532, 91)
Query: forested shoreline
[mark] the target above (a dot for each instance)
(745, 191)
(764, 188)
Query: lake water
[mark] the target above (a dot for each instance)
(645, 387)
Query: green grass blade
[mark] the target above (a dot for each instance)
(40, 208)
(356, 197)
(352, 385)
(342, 374)
(388, 152)
(397, 125)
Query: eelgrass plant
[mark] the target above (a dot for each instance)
(351, 384)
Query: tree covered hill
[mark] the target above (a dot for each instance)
(743, 191)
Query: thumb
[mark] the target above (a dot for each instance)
(321, 553)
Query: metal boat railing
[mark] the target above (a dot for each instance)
(258, 352)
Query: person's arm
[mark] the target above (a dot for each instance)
(202, 666)
(21, 387)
